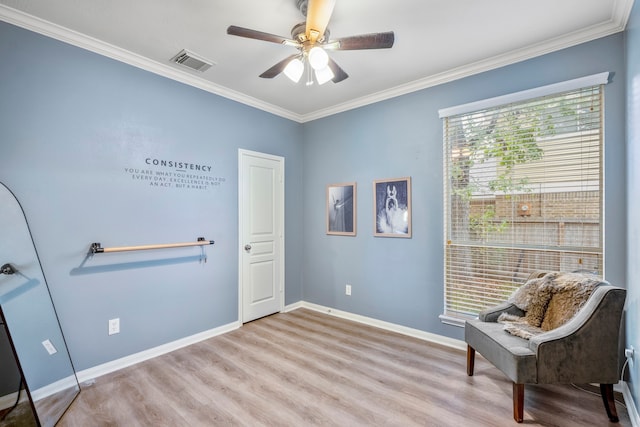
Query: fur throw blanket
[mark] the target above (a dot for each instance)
(548, 302)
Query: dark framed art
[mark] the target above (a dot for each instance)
(341, 209)
(392, 207)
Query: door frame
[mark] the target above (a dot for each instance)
(242, 153)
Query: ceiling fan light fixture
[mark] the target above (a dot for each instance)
(294, 70)
(318, 58)
(323, 75)
(311, 38)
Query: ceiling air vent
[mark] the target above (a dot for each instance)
(191, 60)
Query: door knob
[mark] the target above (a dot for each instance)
(247, 247)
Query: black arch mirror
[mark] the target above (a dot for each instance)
(31, 322)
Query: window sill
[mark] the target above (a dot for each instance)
(453, 321)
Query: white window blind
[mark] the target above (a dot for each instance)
(523, 192)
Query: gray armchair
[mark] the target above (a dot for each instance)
(582, 350)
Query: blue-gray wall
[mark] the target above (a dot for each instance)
(72, 126)
(633, 196)
(72, 123)
(401, 280)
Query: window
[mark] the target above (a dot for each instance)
(523, 192)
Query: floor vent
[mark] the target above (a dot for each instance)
(191, 60)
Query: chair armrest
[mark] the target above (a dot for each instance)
(491, 314)
(585, 349)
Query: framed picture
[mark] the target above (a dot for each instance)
(392, 207)
(341, 209)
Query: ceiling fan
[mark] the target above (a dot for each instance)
(311, 38)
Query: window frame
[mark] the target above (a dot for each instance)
(494, 103)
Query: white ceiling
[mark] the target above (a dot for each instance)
(435, 41)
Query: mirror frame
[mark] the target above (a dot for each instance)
(31, 321)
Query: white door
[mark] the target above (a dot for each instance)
(261, 234)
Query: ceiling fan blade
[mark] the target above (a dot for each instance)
(278, 68)
(338, 73)
(363, 41)
(318, 15)
(258, 35)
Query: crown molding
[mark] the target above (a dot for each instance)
(613, 26)
(49, 29)
(620, 16)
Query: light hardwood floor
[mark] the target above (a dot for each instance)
(307, 368)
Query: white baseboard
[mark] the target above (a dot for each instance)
(415, 333)
(115, 365)
(53, 388)
(631, 406)
(294, 306)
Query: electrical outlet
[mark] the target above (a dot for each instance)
(347, 290)
(629, 352)
(49, 347)
(114, 326)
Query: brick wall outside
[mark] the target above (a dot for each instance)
(567, 206)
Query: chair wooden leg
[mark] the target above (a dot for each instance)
(471, 358)
(606, 390)
(518, 402)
